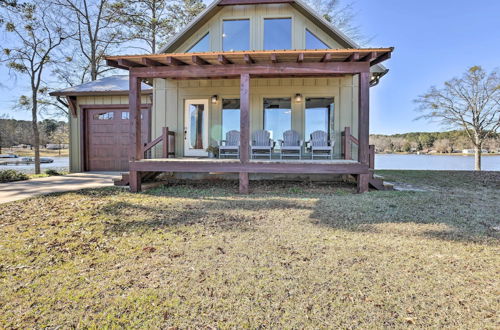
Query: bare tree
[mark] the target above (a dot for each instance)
(153, 22)
(471, 102)
(341, 16)
(97, 33)
(35, 33)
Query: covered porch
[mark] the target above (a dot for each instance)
(245, 66)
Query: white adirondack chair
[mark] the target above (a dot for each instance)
(320, 145)
(291, 145)
(262, 144)
(231, 145)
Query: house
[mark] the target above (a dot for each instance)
(241, 65)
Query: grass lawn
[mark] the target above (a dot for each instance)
(288, 255)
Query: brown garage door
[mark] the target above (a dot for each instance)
(107, 138)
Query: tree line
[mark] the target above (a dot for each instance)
(15, 132)
(442, 142)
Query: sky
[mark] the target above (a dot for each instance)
(434, 40)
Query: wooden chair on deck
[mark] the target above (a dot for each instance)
(291, 145)
(262, 144)
(320, 145)
(231, 145)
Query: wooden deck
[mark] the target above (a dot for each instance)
(303, 166)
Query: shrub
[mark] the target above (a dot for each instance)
(11, 175)
(52, 172)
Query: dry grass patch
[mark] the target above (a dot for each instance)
(295, 256)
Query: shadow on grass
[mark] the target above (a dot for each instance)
(464, 215)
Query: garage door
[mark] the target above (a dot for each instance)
(107, 138)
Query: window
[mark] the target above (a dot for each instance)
(104, 116)
(125, 115)
(313, 42)
(277, 116)
(236, 35)
(277, 33)
(203, 45)
(319, 115)
(230, 116)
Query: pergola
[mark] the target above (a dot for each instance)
(244, 65)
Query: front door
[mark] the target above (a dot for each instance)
(196, 127)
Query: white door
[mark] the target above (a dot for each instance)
(196, 127)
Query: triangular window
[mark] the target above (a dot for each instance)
(313, 42)
(203, 45)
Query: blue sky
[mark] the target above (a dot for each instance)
(434, 41)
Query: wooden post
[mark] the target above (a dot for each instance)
(244, 128)
(165, 142)
(372, 156)
(136, 148)
(364, 127)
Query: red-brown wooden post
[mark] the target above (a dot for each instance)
(136, 148)
(164, 135)
(372, 156)
(364, 127)
(244, 128)
(347, 143)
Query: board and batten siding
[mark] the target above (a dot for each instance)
(75, 134)
(169, 99)
(257, 14)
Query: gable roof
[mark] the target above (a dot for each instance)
(217, 6)
(116, 85)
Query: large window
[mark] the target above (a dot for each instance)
(236, 35)
(230, 116)
(313, 42)
(277, 116)
(277, 33)
(319, 115)
(203, 45)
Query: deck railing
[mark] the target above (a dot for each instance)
(348, 140)
(167, 138)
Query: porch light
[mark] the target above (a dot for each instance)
(214, 99)
(298, 97)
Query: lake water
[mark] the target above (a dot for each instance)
(59, 164)
(382, 162)
(434, 162)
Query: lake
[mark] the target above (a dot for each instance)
(59, 164)
(434, 162)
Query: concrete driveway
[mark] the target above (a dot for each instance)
(14, 191)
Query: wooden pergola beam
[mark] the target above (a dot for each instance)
(352, 58)
(248, 59)
(327, 57)
(251, 2)
(149, 62)
(371, 56)
(198, 60)
(381, 58)
(223, 60)
(128, 64)
(274, 59)
(114, 64)
(300, 58)
(172, 61)
(235, 70)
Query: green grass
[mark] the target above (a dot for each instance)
(288, 255)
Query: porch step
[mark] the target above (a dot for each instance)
(125, 179)
(377, 182)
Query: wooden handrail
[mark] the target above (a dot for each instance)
(168, 143)
(347, 139)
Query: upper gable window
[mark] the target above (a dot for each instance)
(277, 33)
(203, 45)
(236, 35)
(313, 42)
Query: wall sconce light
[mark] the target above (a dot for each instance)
(298, 97)
(214, 99)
